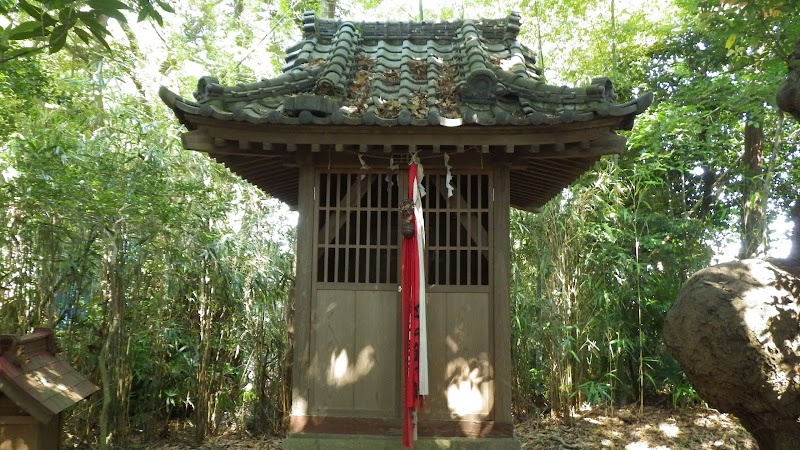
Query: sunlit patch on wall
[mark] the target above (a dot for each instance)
(341, 372)
(470, 387)
(299, 406)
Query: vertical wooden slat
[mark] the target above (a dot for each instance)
(378, 229)
(499, 212)
(448, 243)
(368, 232)
(387, 231)
(458, 280)
(346, 245)
(470, 243)
(337, 229)
(484, 185)
(328, 214)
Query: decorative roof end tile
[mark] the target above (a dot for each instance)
(208, 88)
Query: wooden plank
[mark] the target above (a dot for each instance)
(333, 350)
(324, 237)
(496, 135)
(389, 137)
(17, 420)
(428, 427)
(198, 140)
(371, 276)
(376, 362)
(501, 316)
(299, 329)
(436, 402)
(21, 436)
(469, 373)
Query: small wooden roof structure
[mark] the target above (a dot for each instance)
(36, 379)
(466, 88)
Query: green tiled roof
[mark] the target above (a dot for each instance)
(407, 73)
(355, 91)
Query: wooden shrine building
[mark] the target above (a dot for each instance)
(36, 386)
(332, 136)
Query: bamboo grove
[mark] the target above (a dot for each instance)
(169, 280)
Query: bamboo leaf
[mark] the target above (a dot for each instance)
(83, 35)
(111, 8)
(58, 38)
(27, 30)
(37, 13)
(165, 6)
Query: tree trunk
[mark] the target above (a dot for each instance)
(752, 231)
(204, 372)
(112, 429)
(709, 178)
(330, 9)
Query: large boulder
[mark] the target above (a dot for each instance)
(735, 330)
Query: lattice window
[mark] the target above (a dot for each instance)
(358, 239)
(457, 230)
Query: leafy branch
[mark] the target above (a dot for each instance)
(36, 26)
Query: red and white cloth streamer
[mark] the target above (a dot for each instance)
(415, 335)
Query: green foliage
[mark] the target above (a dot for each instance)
(594, 274)
(41, 25)
(605, 261)
(165, 276)
(23, 85)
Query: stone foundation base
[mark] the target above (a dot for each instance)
(354, 442)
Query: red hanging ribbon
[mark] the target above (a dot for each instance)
(410, 287)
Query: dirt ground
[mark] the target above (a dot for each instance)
(593, 429)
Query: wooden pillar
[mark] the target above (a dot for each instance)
(501, 294)
(304, 255)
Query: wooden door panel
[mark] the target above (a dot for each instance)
(436, 402)
(469, 375)
(355, 335)
(332, 350)
(355, 359)
(461, 362)
(377, 326)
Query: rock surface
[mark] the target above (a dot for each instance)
(735, 330)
